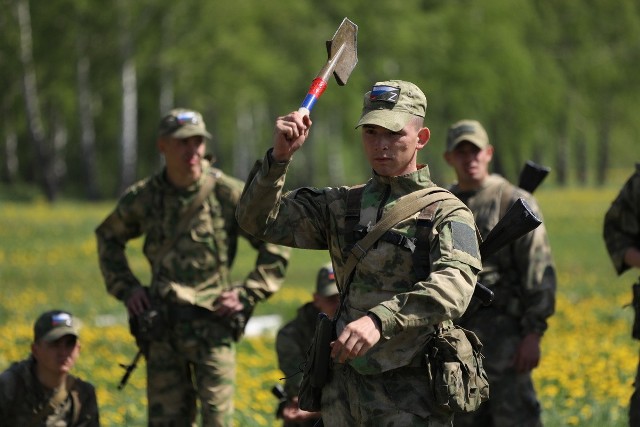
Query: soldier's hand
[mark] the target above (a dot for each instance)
(355, 340)
(527, 355)
(293, 414)
(290, 133)
(228, 303)
(138, 302)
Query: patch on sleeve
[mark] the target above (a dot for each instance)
(464, 239)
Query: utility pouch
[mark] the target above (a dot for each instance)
(315, 373)
(456, 376)
(635, 303)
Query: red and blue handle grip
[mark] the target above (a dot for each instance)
(316, 90)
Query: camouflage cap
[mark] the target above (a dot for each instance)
(467, 130)
(326, 282)
(183, 123)
(54, 324)
(391, 104)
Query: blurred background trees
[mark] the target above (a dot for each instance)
(84, 84)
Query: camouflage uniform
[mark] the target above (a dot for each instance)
(191, 275)
(388, 384)
(22, 396)
(522, 276)
(621, 232)
(292, 342)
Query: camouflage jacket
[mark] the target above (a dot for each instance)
(622, 222)
(195, 270)
(292, 342)
(522, 275)
(384, 282)
(22, 397)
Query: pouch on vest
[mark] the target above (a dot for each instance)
(456, 376)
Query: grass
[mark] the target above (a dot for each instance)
(48, 259)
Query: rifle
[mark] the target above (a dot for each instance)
(516, 222)
(144, 328)
(531, 176)
(128, 369)
(278, 391)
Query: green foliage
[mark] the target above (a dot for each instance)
(552, 81)
(48, 259)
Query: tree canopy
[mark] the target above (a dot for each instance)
(84, 85)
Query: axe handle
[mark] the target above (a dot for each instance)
(319, 84)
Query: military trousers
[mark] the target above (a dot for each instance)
(196, 361)
(399, 397)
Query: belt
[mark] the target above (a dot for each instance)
(186, 313)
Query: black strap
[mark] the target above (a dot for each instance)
(419, 245)
(406, 206)
(352, 214)
(421, 259)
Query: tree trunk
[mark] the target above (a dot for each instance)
(87, 128)
(59, 139)
(10, 164)
(582, 174)
(128, 143)
(603, 149)
(43, 153)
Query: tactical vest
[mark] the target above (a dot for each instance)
(418, 245)
(221, 246)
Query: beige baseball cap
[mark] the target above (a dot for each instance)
(183, 123)
(391, 104)
(467, 130)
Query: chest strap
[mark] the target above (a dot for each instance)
(419, 245)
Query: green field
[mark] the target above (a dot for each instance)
(48, 259)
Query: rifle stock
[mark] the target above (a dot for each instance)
(128, 369)
(531, 175)
(516, 222)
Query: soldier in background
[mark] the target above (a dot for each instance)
(187, 214)
(522, 277)
(40, 391)
(622, 238)
(293, 341)
(391, 310)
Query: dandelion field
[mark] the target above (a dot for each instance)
(48, 260)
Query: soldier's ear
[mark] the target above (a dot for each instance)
(423, 137)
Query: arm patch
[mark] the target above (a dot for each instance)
(464, 239)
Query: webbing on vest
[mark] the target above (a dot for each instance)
(419, 246)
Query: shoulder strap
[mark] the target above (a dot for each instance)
(205, 189)
(424, 225)
(352, 214)
(506, 194)
(405, 207)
